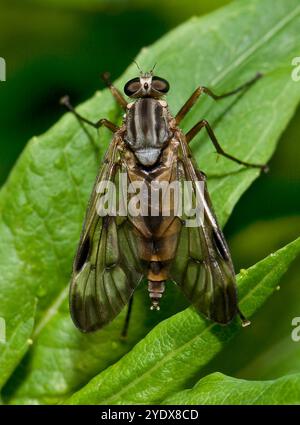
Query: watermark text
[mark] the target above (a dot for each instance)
(183, 199)
(296, 71)
(2, 330)
(2, 69)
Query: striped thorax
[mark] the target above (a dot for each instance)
(147, 129)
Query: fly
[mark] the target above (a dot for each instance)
(115, 253)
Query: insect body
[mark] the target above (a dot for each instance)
(116, 252)
(147, 129)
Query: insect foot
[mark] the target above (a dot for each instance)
(245, 321)
(265, 168)
(65, 100)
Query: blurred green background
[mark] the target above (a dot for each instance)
(54, 47)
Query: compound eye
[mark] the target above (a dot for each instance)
(160, 84)
(132, 86)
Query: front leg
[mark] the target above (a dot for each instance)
(65, 101)
(203, 123)
(197, 93)
(114, 91)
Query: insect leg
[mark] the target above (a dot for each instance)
(65, 101)
(194, 97)
(203, 123)
(232, 92)
(115, 92)
(245, 322)
(127, 319)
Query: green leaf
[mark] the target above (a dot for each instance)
(282, 358)
(19, 340)
(221, 389)
(42, 204)
(175, 351)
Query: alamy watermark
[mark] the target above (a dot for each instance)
(296, 71)
(2, 69)
(183, 199)
(2, 330)
(295, 335)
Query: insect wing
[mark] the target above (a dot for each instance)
(203, 267)
(105, 269)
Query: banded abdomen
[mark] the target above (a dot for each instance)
(157, 235)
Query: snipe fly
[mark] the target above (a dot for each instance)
(117, 251)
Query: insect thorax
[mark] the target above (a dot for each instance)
(147, 129)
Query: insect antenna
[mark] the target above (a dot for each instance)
(151, 71)
(138, 67)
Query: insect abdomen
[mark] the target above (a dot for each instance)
(156, 290)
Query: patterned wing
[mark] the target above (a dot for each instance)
(105, 270)
(203, 267)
